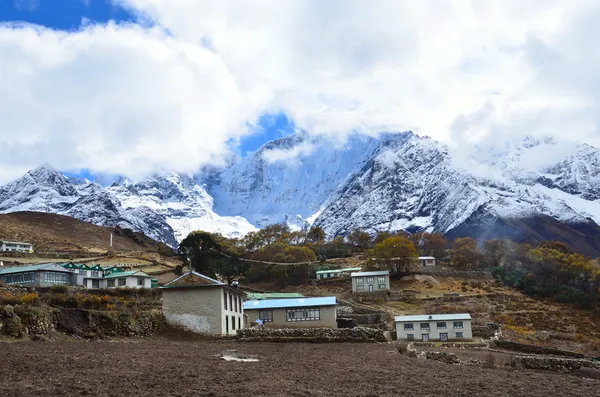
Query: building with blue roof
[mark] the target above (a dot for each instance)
(296, 312)
(434, 327)
(43, 275)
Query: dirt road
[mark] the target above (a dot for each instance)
(167, 368)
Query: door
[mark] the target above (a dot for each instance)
(425, 337)
(444, 336)
(370, 288)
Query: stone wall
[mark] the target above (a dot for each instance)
(533, 349)
(21, 320)
(558, 364)
(485, 331)
(314, 335)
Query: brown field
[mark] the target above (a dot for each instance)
(161, 367)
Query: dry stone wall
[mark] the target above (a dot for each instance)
(558, 364)
(534, 349)
(314, 335)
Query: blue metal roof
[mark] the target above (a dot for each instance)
(434, 317)
(296, 302)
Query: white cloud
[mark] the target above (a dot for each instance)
(299, 150)
(127, 99)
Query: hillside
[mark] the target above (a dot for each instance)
(525, 319)
(50, 233)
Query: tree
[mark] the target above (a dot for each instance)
(297, 237)
(205, 255)
(397, 254)
(359, 239)
(316, 235)
(556, 245)
(198, 249)
(465, 253)
(494, 252)
(380, 236)
(434, 245)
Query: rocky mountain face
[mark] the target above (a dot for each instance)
(46, 190)
(529, 189)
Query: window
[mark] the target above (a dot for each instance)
(266, 315)
(82, 271)
(424, 325)
(20, 278)
(232, 323)
(56, 277)
(370, 280)
(225, 299)
(408, 327)
(381, 280)
(410, 336)
(110, 283)
(381, 286)
(230, 302)
(458, 324)
(95, 283)
(122, 282)
(95, 273)
(360, 287)
(235, 301)
(459, 334)
(360, 280)
(303, 314)
(441, 325)
(239, 323)
(140, 281)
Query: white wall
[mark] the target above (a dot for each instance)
(434, 332)
(231, 313)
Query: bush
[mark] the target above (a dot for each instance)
(62, 289)
(30, 298)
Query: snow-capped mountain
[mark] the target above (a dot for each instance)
(288, 180)
(46, 190)
(184, 204)
(532, 188)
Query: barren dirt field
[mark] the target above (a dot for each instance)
(161, 367)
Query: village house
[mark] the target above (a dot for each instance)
(300, 312)
(39, 276)
(434, 327)
(323, 274)
(96, 276)
(377, 281)
(198, 303)
(16, 246)
(425, 261)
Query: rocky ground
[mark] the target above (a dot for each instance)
(161, 367)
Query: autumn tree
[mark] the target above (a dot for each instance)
(397, 254)
(359, 239)
(465, 253)
(494, 252)
(380, 236)
(316, 235)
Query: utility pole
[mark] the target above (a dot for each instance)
(111, 240)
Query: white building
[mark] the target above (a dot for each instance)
(425, 261)
(16, 246)
(322, 274)
(430, 327)
(133, 279)
(377, 281)
(198, 303)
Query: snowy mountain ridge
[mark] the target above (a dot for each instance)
(391, 182)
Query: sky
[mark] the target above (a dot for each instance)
(135, 86)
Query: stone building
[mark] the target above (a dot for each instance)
(377, 281)
(434, 327)
(288, 313)
(198, 303)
